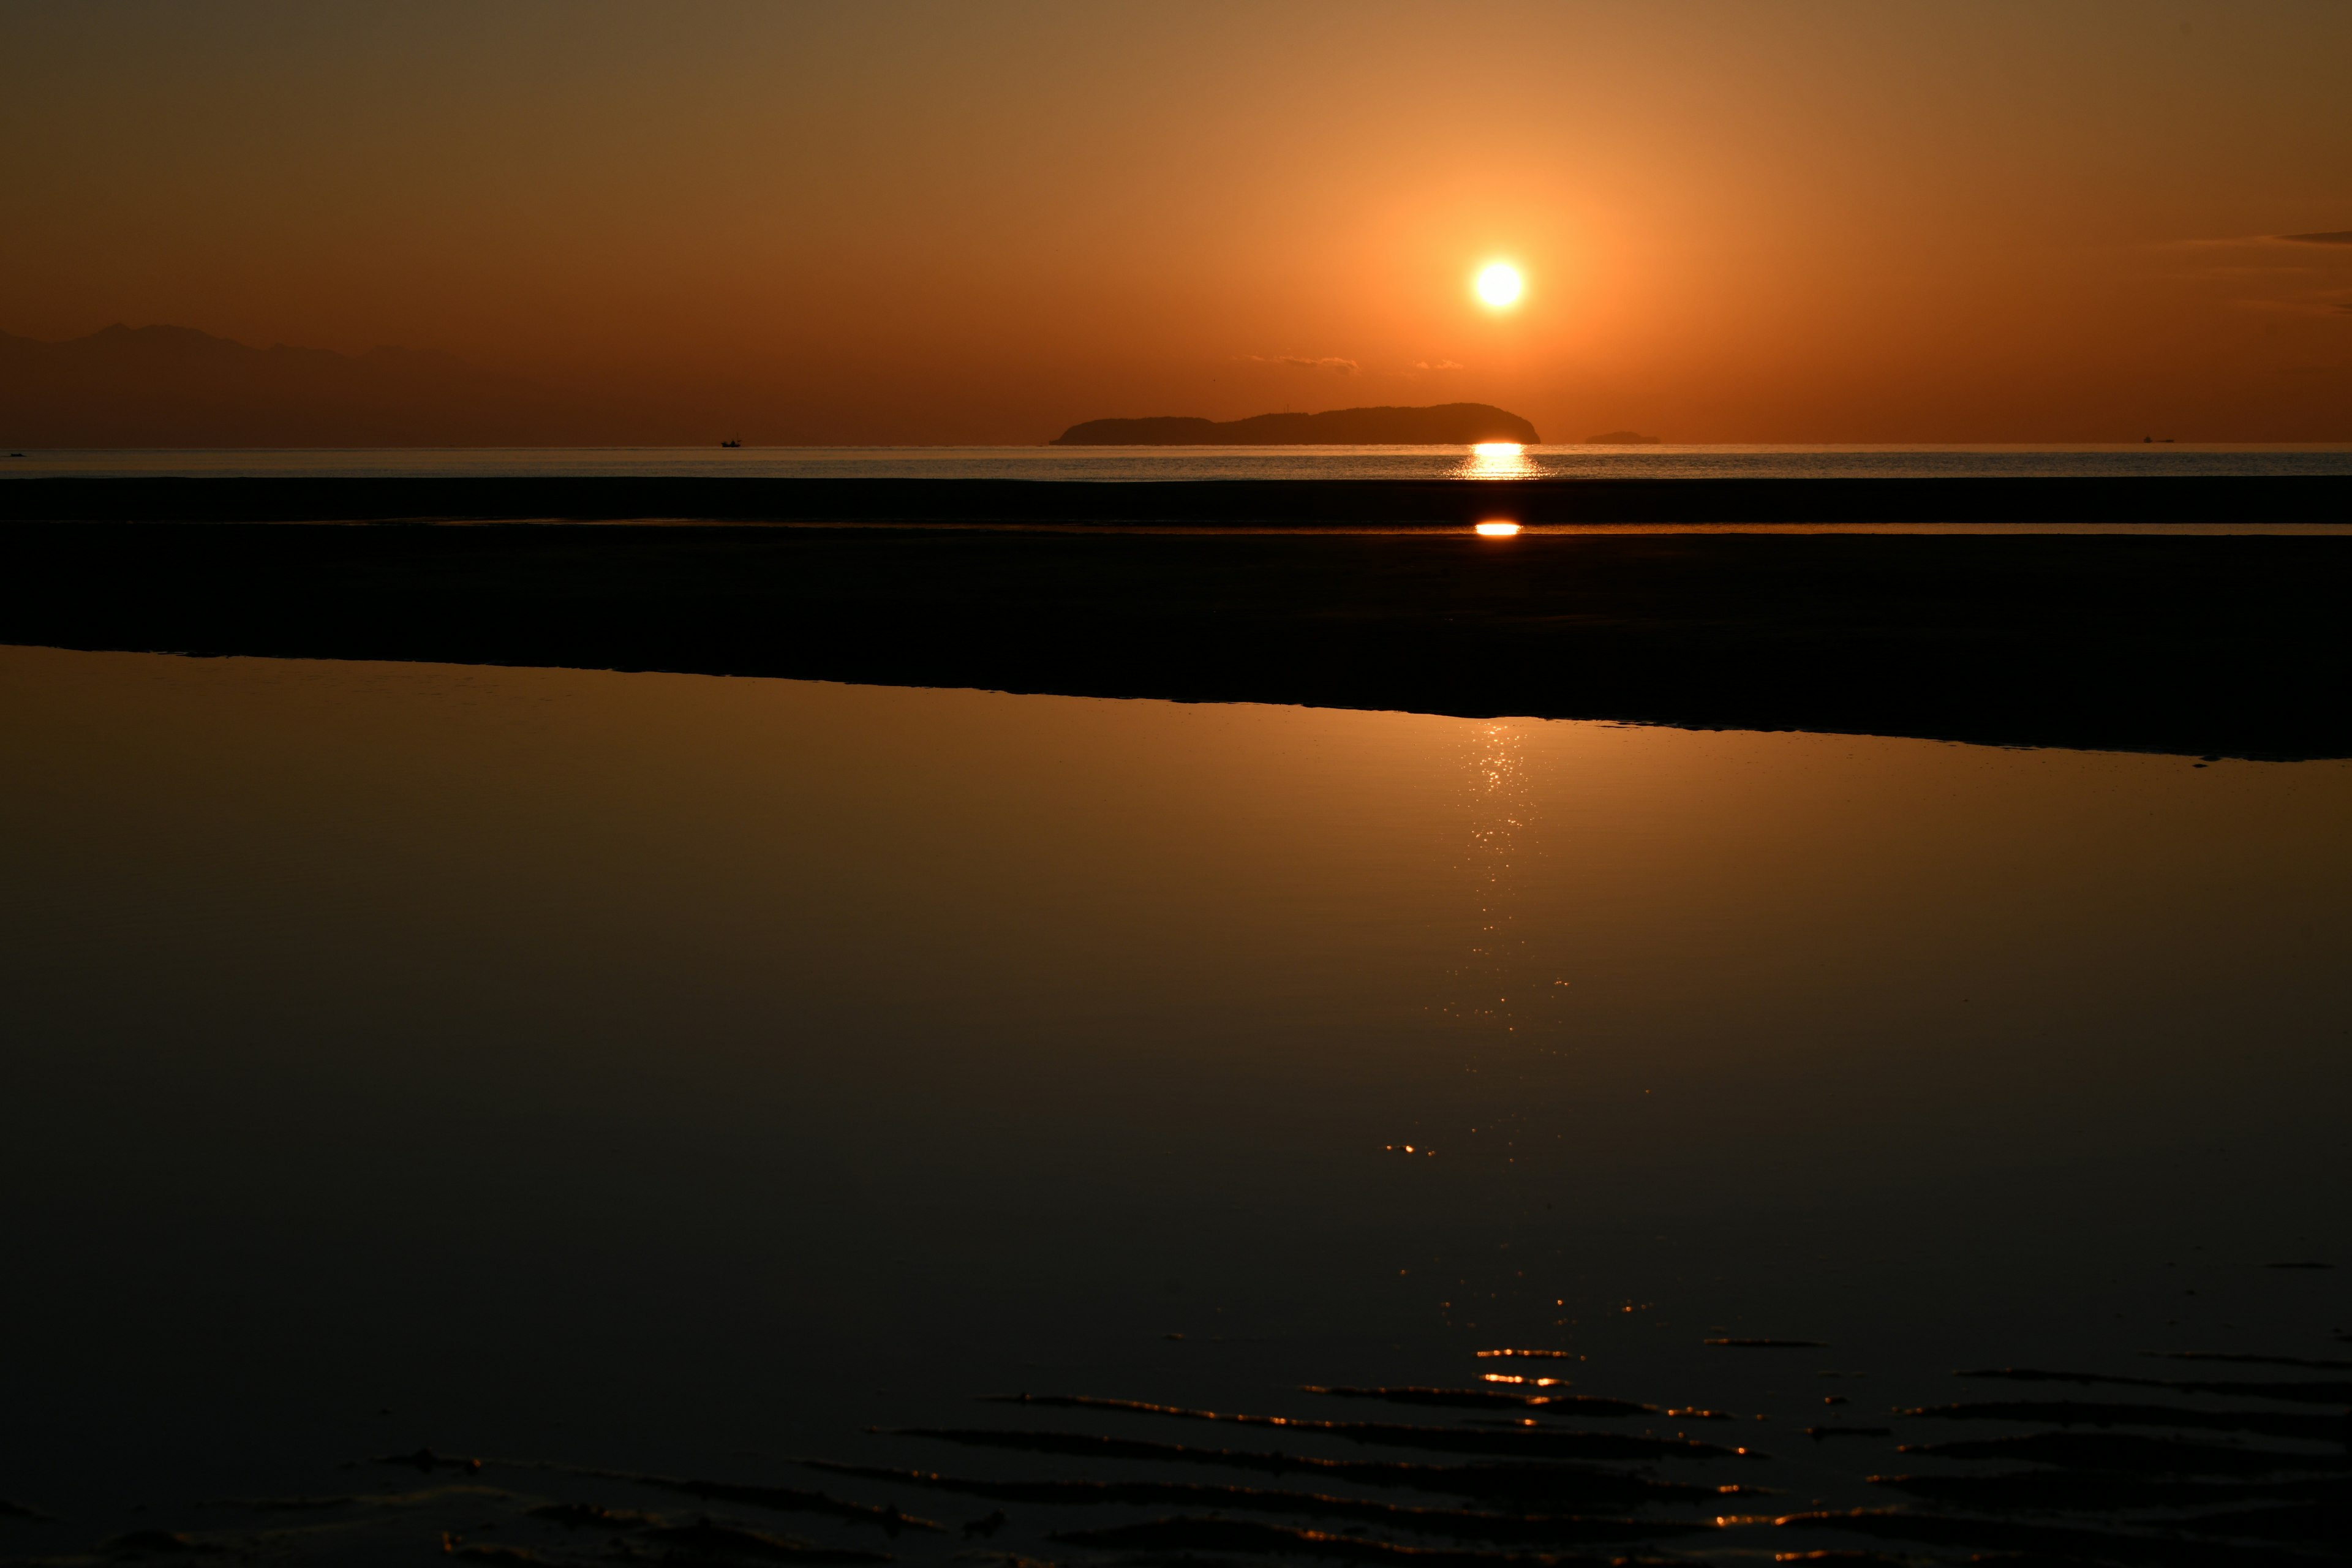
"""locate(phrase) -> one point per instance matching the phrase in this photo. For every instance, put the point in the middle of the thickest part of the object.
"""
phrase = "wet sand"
(2191, 644)
(1116, 1479)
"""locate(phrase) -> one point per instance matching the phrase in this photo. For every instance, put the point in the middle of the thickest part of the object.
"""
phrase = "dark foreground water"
(1501, 461)
(641, 1083)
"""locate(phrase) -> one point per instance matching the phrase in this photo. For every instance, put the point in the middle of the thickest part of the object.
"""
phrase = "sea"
(1500, 461)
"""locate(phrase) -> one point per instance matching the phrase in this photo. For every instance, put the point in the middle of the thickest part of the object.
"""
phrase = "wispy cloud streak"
(1330, 362)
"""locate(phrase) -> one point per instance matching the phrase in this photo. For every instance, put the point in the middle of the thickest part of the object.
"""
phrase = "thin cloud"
(1330, 362)
(2241, 241)
(2230, 242)
(2275, 269)
(1441, 364)
(2295, 305)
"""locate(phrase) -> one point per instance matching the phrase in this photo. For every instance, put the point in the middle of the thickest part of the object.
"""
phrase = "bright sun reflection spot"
(1499, 530)
(1499, 460)
(1499, 285)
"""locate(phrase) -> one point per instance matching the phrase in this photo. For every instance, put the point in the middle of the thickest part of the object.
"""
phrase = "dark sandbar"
(2207, 645)
(1291, 503)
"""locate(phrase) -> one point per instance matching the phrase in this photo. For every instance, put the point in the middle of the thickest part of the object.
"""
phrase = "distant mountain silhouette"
(1446, 424)
(175, 387)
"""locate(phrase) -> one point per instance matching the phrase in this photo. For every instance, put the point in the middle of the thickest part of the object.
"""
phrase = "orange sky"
(915, 223)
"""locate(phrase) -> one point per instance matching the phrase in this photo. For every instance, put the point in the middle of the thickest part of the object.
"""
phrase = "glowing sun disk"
(1499, 285)
(1499, 530)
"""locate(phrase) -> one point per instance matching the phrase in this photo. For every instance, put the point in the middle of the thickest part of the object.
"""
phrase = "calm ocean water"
(1131, 463)
(647, 1084)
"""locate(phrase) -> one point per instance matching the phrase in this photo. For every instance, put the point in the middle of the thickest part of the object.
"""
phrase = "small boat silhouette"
(730, 443)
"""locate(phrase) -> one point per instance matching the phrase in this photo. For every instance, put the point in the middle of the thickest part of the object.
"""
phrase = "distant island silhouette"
(1444, 424)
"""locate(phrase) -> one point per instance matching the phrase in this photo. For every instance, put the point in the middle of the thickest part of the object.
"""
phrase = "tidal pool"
(641, 1083)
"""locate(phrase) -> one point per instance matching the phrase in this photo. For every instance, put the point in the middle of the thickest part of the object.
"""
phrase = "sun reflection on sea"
(1497, 792)
(1502, 1004)
(1498, 460)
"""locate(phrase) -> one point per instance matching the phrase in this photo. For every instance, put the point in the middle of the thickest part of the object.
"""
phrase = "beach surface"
(2190, 643)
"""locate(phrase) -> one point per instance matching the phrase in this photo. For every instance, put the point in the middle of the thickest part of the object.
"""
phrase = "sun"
(1499, 285)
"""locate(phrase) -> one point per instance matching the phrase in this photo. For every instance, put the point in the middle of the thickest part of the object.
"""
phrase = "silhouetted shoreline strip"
(2207, 645)
(1390, 503)
(1442, 425)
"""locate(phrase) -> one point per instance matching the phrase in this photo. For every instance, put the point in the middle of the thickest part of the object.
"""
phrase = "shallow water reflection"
(674, 1076)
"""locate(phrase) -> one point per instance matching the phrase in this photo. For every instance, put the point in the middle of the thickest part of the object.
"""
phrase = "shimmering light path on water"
(1113, 463)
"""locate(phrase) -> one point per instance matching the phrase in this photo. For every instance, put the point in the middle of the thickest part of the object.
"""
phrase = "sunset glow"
(803, 226)
(1499, 530)
(1499, 285)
